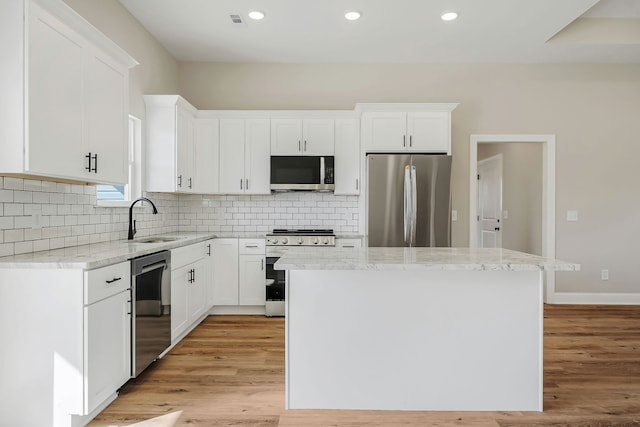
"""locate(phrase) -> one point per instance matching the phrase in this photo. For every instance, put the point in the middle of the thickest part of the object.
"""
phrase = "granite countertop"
(416, 259)
(88, 257)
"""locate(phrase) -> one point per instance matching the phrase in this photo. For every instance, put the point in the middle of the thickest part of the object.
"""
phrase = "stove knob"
(285, 241)
(274, 241)
(300, 240)
(326, 241)
(315, 241)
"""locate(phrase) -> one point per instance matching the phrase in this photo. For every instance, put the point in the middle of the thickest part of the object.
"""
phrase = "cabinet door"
(56, 74)
(106, 119)
(179, 310)
(107, 348)
(286, 137)
(384, 131)
(252, 286)
(257, 153)
(185, 155)
(232, 156)
(318, 137)
(196, 290)
(347, 157)
(206, 154)
(428, 132)
(209, 285)
(225, 271)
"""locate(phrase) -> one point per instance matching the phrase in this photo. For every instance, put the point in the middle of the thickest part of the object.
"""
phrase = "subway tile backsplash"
(41, 215)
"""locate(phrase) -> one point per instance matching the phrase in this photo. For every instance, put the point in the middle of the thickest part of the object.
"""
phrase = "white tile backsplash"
(42, 215)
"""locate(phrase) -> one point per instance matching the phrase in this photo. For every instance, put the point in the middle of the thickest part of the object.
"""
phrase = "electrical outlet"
(505, 214)
(572, 215)
(454, 215)
(604, 274)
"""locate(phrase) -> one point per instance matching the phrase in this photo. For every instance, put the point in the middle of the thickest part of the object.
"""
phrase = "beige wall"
(594, 111)
(521, 193)
(157, 72)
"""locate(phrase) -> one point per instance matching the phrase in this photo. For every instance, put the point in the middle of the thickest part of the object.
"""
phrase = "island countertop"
(375, 258)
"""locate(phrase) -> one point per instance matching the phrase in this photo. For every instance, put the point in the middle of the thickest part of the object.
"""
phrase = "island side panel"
(414, 340)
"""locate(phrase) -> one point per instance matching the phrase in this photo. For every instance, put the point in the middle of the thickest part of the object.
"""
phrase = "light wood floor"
(230, 372)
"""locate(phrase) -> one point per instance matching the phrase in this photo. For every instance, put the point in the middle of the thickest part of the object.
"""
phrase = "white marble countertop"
(88, 257)
(416, 258)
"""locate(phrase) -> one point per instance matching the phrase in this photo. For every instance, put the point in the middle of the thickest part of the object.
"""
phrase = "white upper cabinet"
(244, 156)
(302, 137)
(182, 150)
(206, 148)
(413, 131)
(347, 157)
(65, 104)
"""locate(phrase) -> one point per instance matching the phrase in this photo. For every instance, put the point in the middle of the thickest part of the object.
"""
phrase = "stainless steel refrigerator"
(409, 200)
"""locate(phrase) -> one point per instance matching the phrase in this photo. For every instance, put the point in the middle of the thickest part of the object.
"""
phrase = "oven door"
(274, 305)
(302, 173)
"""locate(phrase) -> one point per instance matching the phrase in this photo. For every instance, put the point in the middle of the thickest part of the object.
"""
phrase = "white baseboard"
(593, 298)
(238, 309)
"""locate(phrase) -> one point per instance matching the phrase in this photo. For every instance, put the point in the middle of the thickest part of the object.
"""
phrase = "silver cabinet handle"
(241, 183)
(305, 145)
(246, 184)
(189, 182)
(299, 146)
(262, 264)
(250, 246)
(179, 180)
(357, 184)
(209, 249)
(410, 140)
(115, 279)
(404, 140)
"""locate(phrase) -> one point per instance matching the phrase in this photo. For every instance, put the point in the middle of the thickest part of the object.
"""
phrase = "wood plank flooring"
(230, 372)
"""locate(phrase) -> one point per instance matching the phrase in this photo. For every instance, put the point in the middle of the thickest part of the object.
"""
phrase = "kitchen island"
(415, 328)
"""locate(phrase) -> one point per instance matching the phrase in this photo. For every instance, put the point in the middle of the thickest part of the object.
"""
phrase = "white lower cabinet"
(108, 347)
(191, 280)
(348, 242)
(67, 348)
(239, 272)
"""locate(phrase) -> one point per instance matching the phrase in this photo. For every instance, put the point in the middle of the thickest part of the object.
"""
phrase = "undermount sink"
(157, 239)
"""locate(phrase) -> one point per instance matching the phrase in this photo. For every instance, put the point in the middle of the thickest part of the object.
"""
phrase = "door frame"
(498, 157)
(548, 194)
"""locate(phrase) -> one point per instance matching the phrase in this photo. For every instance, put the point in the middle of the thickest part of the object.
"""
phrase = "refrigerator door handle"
(414, 205)
(407, 202)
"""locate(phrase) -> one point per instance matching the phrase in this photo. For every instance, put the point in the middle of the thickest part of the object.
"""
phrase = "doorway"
(490, 202)
(548, 194)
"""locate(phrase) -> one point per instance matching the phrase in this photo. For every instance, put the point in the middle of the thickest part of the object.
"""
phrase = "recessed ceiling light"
(256, 15)
(449, 16)
(352, 15)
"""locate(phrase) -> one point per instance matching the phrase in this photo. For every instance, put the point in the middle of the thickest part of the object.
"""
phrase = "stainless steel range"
(279, 242)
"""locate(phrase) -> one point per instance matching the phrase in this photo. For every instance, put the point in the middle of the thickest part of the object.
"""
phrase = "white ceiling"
(392, 31)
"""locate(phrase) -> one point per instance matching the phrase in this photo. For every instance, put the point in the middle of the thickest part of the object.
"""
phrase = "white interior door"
(490, 202)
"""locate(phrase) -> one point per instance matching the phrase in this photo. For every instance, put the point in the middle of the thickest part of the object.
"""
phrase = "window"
(122, 195)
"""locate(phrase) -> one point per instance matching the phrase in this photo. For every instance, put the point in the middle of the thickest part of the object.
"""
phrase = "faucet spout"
(132, 227)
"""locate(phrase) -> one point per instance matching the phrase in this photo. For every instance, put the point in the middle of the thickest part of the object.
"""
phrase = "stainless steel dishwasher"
(151, 309)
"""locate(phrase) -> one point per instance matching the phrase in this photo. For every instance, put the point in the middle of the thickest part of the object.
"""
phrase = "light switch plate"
(454, 215)
(572, 215)
(505, 214)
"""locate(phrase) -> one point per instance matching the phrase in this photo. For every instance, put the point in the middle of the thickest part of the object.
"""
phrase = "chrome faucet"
(132, 223)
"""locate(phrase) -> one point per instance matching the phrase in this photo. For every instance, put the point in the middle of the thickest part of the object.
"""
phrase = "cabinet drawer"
(187, 254)
(349, 243)
(251, 246)
(106, 281)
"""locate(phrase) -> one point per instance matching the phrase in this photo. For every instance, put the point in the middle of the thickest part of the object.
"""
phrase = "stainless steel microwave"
(310, 173)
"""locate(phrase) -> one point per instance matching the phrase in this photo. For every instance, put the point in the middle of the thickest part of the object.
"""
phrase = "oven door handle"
(155, 266)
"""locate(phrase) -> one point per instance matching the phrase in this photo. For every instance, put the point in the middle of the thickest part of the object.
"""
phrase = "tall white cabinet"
(181, 148)
(65, 95)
